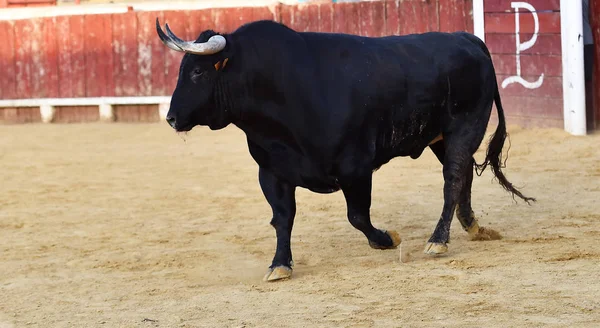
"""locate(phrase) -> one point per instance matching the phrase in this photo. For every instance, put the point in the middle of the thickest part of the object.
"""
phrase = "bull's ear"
(221, 64)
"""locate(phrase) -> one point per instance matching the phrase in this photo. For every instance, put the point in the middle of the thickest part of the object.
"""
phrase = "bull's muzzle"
(171, 121)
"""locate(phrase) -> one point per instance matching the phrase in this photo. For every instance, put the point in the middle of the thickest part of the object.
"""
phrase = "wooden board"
(172, 58)
(125, 54)
(533, 106)
(494, 6)
(302, 18)
(546, 44)
(76, 114)
(150, 55)
(454, 15)
(23, 61)
(136, 113)
(98, 56)
(346, 18)
(549, 22)
(7, 58)
(411, 16)
(551, 86)
(20, 115)
(372, 16)
(71, 56)
(506, 64)
(48, 60)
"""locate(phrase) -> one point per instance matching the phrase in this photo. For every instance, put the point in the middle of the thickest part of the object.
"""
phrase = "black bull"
(324, 111)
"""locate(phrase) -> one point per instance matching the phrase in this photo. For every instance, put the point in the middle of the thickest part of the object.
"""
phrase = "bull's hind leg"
(456, 161)
(281, 197)
(464, 212)
(358, 201)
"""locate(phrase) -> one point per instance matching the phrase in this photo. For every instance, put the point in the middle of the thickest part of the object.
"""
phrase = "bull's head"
(194, 101)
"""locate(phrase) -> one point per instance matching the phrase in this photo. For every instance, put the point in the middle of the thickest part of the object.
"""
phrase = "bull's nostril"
(171, 121)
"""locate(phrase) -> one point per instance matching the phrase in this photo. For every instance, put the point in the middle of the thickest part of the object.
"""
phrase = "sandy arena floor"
(126, 225)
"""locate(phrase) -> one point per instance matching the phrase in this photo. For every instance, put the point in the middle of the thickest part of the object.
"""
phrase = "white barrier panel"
(105, 105)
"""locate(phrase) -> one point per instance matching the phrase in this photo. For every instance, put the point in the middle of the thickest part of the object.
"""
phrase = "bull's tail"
(493, 156)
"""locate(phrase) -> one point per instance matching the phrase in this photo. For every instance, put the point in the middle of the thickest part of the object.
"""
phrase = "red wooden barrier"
(120, 54)
(527, 105)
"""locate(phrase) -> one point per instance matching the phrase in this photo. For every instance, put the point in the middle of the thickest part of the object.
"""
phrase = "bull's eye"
(198, 71)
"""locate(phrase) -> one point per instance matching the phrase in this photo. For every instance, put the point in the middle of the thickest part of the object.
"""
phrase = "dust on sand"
(115, 225)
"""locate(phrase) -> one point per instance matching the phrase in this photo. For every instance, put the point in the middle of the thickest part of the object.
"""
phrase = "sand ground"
(128, 225)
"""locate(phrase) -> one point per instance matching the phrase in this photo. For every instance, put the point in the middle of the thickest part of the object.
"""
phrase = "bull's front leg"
(357, 191)
(281, 196)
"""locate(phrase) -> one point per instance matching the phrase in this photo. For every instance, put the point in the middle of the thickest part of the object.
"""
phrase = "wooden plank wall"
(538, 106)
(120, 54)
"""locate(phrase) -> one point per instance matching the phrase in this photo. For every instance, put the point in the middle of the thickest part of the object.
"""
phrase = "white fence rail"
(47, 106)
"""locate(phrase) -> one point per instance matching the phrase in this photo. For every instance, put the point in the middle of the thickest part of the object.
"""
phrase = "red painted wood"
(469, 17)
(551, 87)
(98, 55)
(20, 115)
(346, 17)
(372, 18)
(302, 18)
(530, 64)
(37, 70)
(416, 16)
(548, 44)
(126, 113)
(285, 15)
(149, 113)
(549, 22)
(150, 55)
(172, 58)
(262, 13)
(392, 19)
(326, 17)
(533, 106)
(76, 114)
(7, 57)
(48, 70)
(125, 54)
(71, 56)
(136, 113)
(199, 21)
(504, 5)
(454, 15)
(23, 75)
(228, 20)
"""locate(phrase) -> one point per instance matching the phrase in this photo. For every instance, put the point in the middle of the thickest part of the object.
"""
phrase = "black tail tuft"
(493, 156)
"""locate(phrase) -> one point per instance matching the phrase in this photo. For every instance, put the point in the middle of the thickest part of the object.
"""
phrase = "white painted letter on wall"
(524, 46)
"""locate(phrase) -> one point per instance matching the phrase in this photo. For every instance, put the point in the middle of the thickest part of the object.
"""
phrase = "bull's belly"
(312, 179)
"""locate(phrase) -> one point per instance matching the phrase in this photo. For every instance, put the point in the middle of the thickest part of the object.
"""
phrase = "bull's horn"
(165, 39)
(215, 44)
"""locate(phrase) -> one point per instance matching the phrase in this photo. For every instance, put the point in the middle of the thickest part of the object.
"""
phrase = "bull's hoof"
(394, 236)
(480, 233)
(278, 273)
(435, 248)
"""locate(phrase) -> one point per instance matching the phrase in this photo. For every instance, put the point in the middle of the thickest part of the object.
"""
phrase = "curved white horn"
(167, 41)
(215, 44)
